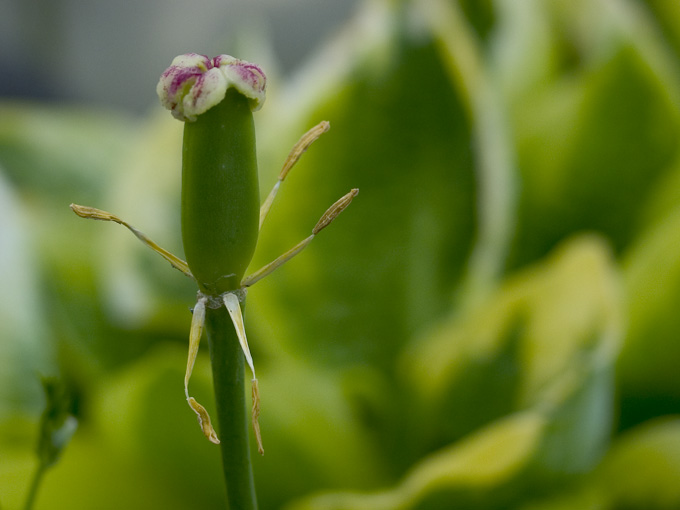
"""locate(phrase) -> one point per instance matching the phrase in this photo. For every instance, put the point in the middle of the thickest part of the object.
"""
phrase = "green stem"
(35, 484)
(228, 369)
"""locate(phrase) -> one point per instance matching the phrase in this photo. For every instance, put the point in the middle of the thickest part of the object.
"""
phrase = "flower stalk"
(228, 369)
(221, 218)
(57, 426)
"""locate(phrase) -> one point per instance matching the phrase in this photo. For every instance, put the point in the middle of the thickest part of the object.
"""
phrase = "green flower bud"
(220, 192)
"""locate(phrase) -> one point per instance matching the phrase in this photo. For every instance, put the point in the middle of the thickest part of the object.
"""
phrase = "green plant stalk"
(35, 484)
(220, 208)
(228, 368)
(221, 216)
(57, 426)
(220, 223)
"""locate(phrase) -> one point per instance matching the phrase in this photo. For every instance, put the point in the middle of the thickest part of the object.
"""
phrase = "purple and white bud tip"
(195, 83)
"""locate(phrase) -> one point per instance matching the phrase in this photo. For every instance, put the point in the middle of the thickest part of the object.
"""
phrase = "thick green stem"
(220, 194)
(228, 369)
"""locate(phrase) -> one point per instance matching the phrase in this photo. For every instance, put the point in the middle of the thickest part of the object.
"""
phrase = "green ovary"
(220, 194)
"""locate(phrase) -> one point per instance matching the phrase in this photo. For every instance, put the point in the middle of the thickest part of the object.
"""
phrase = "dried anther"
(204, 420)
(197, 322)
(293, 157)
(233, 306)
(325, 220)
(97, 214)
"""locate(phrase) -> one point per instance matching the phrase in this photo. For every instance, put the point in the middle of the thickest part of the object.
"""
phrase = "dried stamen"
(197, 322)
(204, 420)
(234, 308)
(334, 211)
(325, 220)
(97, 214)
(255, 388)
(296, 152)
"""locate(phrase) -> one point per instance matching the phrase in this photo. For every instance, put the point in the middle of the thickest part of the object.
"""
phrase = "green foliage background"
(492, 324)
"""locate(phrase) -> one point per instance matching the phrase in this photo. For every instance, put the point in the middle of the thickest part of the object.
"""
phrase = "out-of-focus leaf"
(59, 151)
(17, 462)
(555, 329)
(522, 49)
(312, 437)
(24, 349)
(143, 415)
(55, 156)
(141, 289)
(651, 354)
(391, 262)
(93, 474)
(572, 498)
(474, 473)
(140, 446)
(549, 336)
(141, 418)
(667, 15)
(591, 157)
(663, 200)
(643, 467)
(495, 174)
(481, 15)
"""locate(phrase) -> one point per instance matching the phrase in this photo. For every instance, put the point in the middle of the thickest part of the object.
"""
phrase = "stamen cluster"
(195, 83)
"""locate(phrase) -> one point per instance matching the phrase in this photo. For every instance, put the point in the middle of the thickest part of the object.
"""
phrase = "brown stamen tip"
(256, 415)
(302, 145)
(90, 212)
(334, 211)
(204, 420)
(97, 214)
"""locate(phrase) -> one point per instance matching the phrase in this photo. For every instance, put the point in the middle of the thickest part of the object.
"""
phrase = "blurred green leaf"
(648, 364)
(572, 498)
(140, 446)
(468, 475)
(55, 156)
(667, 16)
(394, 258)
(139, 417)
(548, 332)
(495, 174)
(592, 145)
(643, 467)
(25, 349)
(307, 422)
(141, 289)
(379, 390)
(57, 151)
(555, 328)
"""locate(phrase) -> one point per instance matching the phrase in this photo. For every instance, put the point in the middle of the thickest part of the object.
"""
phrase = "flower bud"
(220, 192)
